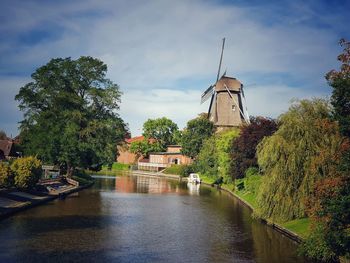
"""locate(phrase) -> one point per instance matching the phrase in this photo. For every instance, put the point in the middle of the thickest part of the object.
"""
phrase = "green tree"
(195, 133)
(214, 158)
(163, 130)
(286, 159)
(224, 143)
(206, 162)
(27, 171)
(70, 114)
(144, 147)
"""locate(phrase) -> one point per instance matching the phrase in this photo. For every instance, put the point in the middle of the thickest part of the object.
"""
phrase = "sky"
(163, 54)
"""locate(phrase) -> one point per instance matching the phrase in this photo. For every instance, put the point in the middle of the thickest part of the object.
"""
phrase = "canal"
(142, 219)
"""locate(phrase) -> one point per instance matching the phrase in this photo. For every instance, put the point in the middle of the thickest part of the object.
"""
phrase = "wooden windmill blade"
(217, 79)
(244, 107)
(207, 94)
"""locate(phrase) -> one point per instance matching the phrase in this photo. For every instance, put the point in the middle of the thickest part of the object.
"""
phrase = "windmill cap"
(232, 84)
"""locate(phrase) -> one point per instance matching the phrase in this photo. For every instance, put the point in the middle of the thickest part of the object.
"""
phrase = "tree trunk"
(70, 170)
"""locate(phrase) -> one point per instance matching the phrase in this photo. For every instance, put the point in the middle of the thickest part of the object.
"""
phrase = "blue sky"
(164, 54)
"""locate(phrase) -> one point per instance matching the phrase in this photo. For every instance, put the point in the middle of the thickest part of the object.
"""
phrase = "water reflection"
(143, 219)
(193, 189)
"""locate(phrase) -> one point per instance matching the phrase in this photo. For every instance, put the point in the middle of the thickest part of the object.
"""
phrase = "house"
(160, 160)
(125, 156)
(7, 149)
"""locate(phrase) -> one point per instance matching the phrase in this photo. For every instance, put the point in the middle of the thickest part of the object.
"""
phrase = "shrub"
(6, 175)
(252, 180)
(316, 246)
(27, 171)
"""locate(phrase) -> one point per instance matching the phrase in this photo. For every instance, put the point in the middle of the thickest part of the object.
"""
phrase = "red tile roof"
(138, 139)
(135, 139)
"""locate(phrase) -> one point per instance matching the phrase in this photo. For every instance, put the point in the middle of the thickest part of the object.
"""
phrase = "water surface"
(142, 219)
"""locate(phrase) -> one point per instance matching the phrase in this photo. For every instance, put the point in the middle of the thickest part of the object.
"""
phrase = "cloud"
(9, 112)
(180, 106)
(164, 54)
(271, 100)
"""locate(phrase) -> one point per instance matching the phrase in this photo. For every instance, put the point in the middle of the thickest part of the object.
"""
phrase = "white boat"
(194, 178)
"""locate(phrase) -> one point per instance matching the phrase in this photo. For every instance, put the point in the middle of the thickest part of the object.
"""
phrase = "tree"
(144, 147)
(329, 206)
(70, 114)
(163, 130)
(243, 150)
(224, 144)
(206, 162)
(27, 171)
(214, 159)
(195, 133)
(340, 82)
(287, 158)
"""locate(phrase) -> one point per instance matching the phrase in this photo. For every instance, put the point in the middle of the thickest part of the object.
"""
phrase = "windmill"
(227, 106)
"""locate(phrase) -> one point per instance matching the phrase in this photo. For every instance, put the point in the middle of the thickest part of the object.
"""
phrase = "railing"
(161, 165)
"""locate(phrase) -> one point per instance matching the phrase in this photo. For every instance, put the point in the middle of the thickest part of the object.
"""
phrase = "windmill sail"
(227, 103)
(207, 94)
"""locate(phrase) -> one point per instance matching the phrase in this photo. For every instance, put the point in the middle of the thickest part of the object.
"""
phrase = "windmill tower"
(227, 107)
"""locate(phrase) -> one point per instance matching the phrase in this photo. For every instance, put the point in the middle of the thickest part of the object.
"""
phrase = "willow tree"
(70, 114)
(288, 159)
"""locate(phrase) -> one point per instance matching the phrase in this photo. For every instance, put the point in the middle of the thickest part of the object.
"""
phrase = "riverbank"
(297, 229)
(14, 201)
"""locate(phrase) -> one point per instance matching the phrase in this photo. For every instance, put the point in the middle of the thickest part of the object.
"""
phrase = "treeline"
(296, 166)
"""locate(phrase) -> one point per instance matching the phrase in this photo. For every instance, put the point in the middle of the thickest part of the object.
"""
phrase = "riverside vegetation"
(294, 171)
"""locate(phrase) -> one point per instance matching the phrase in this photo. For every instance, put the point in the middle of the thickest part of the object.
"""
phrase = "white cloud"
(179, 106)
(150, 46)
(272, 100)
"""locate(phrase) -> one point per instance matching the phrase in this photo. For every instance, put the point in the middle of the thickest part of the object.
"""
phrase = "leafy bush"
(27, 171)
(6, 175)
(252, 180)
(316, 246)
(120, 166)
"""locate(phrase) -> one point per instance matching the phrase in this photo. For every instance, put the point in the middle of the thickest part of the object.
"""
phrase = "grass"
(298, 226)
(114, 171)
(210, 180)
(174, 169)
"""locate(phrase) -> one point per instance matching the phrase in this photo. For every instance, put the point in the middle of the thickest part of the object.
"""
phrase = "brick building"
(160, 160)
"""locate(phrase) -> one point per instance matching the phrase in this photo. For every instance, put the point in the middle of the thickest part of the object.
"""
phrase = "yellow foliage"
(27, 171)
